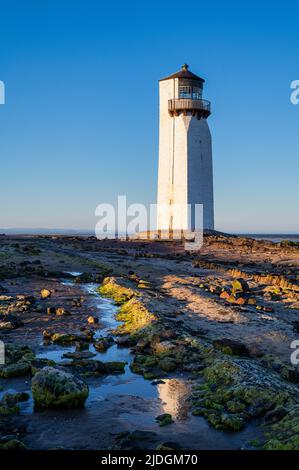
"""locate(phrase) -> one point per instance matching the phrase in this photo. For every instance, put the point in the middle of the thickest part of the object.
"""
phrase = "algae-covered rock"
(92, 367)
(13, 444)
(79, 355)
(146, 361)
(15, 370)
(55, 388)
(159, 347)
(145, 365)
(273, 416)
(150, 375)
(231, 422)
(6, 410)
(164, 419)
(167, 365)
(9, 403)
(40, 363)
(11, 399)
(17, 361)
(134, 316)
(115, 366)
(143, 284)
(231, 347)
(120, 294)
(221, 373)
(284, 434)
(235, 406)
(102, 344)
(84, 277)
(61, 338)
(236, 392)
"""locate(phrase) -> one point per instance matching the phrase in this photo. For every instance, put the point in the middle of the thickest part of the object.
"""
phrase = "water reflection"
(173, 394)
(167, 397)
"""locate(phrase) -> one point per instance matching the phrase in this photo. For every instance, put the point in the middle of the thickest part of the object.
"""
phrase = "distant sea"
(276, 238)
(45, 231)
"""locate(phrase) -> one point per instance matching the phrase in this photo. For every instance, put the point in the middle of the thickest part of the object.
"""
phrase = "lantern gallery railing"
(199, 108)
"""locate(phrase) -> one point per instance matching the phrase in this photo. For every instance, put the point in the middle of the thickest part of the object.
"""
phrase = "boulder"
(84, 277)
(231, 347)
(61, 311)
(92, 367)
(15, 370)
(39, 363)
(164, 419)
(91, 319)
(167, 365)
(102, 344)
(232, 422)
(82, 345)
(51, 310)
(55, 388)
(45, 293)
(79, 355)
(225, 295)
(143, 284)
(47, 334)
(29, 299)
(9, 403)
(5, 298)
(10, 322)
(13, 444)
(114, 367)
(124, 341)
(232, 298)
(65, 338)
(239, 286)
(169, 445)
(160, 347)
(11, 399)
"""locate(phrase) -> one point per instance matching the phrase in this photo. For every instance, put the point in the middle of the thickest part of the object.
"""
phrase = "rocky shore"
(195, 354)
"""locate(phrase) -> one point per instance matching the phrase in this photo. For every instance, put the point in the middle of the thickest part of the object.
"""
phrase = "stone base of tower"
(175, 235)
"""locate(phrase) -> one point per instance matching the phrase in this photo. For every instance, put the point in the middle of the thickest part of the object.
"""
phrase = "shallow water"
(126, 383)
(126, 399)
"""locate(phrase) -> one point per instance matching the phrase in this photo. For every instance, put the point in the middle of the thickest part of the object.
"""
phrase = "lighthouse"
(185, 173)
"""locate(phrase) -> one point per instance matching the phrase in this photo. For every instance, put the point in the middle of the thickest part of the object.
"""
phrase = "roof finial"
(185, 67)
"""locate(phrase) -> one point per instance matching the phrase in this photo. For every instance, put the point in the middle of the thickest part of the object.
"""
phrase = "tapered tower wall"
(185, 173)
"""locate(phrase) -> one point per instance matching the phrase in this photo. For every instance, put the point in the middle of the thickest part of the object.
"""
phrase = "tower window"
(189, 92)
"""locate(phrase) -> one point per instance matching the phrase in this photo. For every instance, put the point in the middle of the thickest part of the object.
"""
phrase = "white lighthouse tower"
(185, 153)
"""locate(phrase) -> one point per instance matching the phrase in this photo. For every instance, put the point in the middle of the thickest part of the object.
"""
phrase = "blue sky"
(80, 123)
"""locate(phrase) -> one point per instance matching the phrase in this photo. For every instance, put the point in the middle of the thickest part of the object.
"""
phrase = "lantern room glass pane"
(190, 92)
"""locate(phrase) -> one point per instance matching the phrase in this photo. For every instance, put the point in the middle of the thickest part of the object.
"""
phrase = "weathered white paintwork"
(185, 174)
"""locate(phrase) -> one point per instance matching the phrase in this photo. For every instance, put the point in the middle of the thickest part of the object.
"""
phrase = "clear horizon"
(35, 230)
(80, 121)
